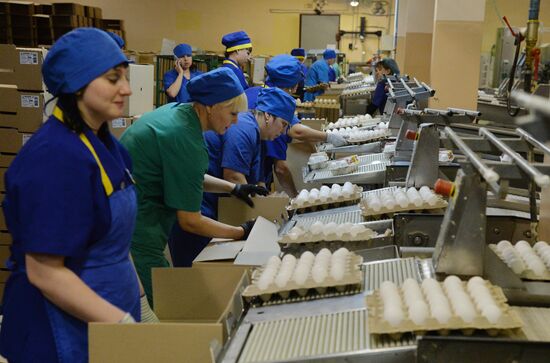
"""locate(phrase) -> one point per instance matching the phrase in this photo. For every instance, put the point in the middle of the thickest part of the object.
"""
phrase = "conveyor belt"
(367, 148)
(397, 271)
(535, 323)
(304, 338)
(372, 170)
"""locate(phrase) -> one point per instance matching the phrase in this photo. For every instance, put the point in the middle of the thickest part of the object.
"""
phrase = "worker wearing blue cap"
(285, 72)
(300, 54)
(175, 80)
(236, 157)
(170, 162)
(385, 67)
(70, 207)
(238, 48)
(319, 74)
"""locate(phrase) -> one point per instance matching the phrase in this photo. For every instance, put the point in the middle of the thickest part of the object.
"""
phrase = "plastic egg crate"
(287, 277)
(318, 161)
(326, 197)
(395, 199)
(331, 231)
(531, 263)
(435, 306)
(344, 166)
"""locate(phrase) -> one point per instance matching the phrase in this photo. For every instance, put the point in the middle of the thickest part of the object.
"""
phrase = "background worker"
(320, 74)
(70, 207)
(385, 67)
(238, 48)
(175, 80)
(300, 54)
(285, 72)
(236, 157)
(170, 162)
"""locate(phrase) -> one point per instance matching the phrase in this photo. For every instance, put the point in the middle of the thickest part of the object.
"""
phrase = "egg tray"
(352, 281)
(370, 139)
(320, 164)
(368, 212)
(527, 274)
(309, 237)
(365, 125)
(354, 198)
(348, 169)
(378, 325)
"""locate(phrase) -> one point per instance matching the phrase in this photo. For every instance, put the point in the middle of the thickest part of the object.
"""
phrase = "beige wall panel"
(401, 51)
(455, 64)
(418, 56)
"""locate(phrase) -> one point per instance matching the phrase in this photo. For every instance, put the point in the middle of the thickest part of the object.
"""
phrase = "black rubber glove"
(245, 191)
(247, 226)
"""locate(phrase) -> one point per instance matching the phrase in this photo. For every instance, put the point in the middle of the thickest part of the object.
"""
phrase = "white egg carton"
(345, 232)
(507, 319)
(333, 198)
(532, 264)
(318, 160)
(344, 166)
(369, 208)
(351, 279)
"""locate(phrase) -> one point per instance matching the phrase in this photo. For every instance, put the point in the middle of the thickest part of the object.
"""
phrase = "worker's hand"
(245, 191)
(336, 140)
(127, 319)
(247, 227)
(177, 66)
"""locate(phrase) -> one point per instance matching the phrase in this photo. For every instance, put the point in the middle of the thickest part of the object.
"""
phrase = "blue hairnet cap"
(79, 57)
(236, 41)
(215, 86)
(276, 102)
(284, 71)
(298, 52)
(329, 54)
(183, 49)
(117, 39)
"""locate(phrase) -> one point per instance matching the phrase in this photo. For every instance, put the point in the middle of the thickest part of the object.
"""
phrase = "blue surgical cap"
(215, 86)
(117, 39)
(236, 41)
(329, 54)
(284, 71)
(79, 57)
(298, 52)
(276, 102)
(183, 49)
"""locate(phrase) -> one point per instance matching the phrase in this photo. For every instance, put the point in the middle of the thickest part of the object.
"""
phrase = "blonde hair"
(237, 104)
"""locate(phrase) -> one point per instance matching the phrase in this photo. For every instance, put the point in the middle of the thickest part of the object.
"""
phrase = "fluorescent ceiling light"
(354, 3)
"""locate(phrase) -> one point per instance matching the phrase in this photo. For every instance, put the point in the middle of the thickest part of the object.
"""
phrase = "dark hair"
(72, 118)
(389, 64)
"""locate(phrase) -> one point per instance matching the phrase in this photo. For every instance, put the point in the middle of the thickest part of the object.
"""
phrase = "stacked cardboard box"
(17, 23)
(68, 16)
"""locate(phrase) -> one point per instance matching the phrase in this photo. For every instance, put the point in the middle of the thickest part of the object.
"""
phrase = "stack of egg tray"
(367, 140)
(384, 212)
(352, 283)
(330, 203)
(527, 274)
(508, 323)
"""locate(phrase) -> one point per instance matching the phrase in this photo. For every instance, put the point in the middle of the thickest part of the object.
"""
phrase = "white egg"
(329, 228)
(441, 313)
(414, 197)
(418, 312)
(341, 230)
(274, 261)
(347, 189)
(319, 273)
(337, 271)
(540, 245)
(522, 246)
(537, 266)
(492, 313)
(374, 203)
(504, 243)
(303, 194)
(393, 315)
(476, 280)
(317, 227)
(356, 230)
(401, 198)
(342, 252)
(452, 282)
(313, 195)
(300, 274)
(307, 256)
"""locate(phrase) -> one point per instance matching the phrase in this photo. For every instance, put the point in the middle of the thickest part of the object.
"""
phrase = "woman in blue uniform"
(236, 157)
(386, 67)
(238, 48)
(175, 80)
(300, 55)
(70, 206)
(320, 72)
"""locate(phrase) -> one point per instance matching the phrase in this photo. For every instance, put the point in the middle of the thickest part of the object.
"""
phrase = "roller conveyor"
(371, 170)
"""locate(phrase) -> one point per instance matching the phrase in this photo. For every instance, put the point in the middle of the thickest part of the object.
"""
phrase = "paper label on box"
(30, 101)
(118, 123)
(26, 137)
(28, 58)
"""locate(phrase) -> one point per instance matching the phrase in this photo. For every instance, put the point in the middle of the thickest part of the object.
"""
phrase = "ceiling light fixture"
(354, 3)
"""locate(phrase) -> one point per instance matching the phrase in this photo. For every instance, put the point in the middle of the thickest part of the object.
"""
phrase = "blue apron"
(106, 269)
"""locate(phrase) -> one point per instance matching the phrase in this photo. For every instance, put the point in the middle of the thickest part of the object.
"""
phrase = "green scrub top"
(169, 158)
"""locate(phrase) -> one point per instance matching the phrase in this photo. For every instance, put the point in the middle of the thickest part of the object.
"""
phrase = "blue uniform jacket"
(183, 95)
(228, 63)
(318, 73)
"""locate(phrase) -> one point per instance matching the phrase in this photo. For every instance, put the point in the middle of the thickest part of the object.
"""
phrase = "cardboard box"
(234, 211)
(67, 9)
(141, 79)
(11, 141)
(5, 238)
(6, 160)
(20, 7)
(2, 183)
(21, 67)
(60, 21)
(98, 13)
(20, 109)
(4, 274)
(3, 226)
(196, 306)
(5, 254)
(119, 125)
(2, 288)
